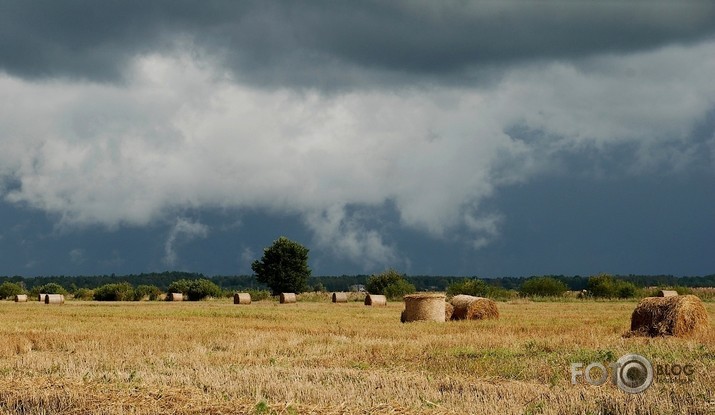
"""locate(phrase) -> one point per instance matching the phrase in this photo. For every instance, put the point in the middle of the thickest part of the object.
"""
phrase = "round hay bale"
(448, 311)
(375, 299)
(242, 298)
(288, 298)
(667, 293)
(467, 307)
(54, 299)
(175, 297)
(424, 307)
(669, 316)
(21, 298)
(41, 297)
(340, 297)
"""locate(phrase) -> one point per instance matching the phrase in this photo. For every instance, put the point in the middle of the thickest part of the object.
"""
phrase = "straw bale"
(467, 307)
(175, 297)
(339, 297)
(667, 293)
(424, 307)
(54, 299)
(242, 298)
(21, 298)
(288, 298)
(375, 299)
(669, 316)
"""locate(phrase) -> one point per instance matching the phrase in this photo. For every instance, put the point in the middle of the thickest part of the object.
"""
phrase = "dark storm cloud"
(333, 43)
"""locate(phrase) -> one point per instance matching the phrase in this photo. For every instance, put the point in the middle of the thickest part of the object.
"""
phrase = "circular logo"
(634, 373)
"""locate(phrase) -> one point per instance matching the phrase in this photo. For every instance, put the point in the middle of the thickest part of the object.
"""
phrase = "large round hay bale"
(288, 298)
(375, 299)
(467, 307)
(340, 297)
(448, 311)
(242, 298)
(175, 297)
(669, 316)
(667, 293)
(54, 299)
(424, 307)
(21, 298)
(41, 297)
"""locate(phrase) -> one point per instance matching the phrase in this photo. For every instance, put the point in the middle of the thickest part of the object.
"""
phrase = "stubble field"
(318, 357)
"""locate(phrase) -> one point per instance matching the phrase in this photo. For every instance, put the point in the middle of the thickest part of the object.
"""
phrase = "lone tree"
(283, 267)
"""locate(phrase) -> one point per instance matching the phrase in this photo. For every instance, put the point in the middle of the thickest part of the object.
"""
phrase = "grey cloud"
(329, 44)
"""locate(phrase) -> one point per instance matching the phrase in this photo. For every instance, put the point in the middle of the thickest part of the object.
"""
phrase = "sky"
(489, 138)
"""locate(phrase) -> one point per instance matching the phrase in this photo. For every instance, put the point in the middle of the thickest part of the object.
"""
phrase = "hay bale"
(667, 293)
(41, 297)
(288, 298)
(175, 297)
(424, 307)
(340, 297)
(448, 311)
(467, 307)
(21, 298)
(375, 299)
(242, 298)
(669, 316)
(54, 299)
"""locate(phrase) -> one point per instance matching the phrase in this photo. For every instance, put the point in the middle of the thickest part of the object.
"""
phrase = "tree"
(283, 267)
(51, 288)
(10, 289)
(606, 286)
(389, 283)
(122, 291)
(543, 287)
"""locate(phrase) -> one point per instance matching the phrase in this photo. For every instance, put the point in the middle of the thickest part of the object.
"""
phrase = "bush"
(474, 287)
(51, 288)
(605, 286)
(115, 292)
(10, 289)
(390, 284)
(196, 289)
(151, 291)
(543, 287)
(83, 294)
(258, 295)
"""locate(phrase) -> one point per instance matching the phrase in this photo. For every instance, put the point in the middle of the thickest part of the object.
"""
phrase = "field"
(318, 357)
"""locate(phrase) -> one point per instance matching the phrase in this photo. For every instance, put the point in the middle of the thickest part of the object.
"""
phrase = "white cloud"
(183, 231)
(181, 135)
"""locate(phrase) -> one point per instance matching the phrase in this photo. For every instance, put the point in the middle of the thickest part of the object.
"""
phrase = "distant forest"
(339, 283)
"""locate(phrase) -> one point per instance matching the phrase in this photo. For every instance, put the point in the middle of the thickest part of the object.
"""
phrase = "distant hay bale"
(448, 311)
(467, 307)
(21, 298)
(242, 298)
(54, 299)
(340, 297)
(41, 297)
(667, 293)
(175, 297)
(288, 298)
(424, 307)
(669, 316)
(375, 299)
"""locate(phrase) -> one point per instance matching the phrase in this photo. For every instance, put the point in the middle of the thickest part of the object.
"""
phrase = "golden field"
(318, 357)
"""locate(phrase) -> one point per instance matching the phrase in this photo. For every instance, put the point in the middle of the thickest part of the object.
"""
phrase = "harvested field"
(184, 358)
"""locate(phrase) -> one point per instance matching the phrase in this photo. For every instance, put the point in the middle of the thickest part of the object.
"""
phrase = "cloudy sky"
(491, 138)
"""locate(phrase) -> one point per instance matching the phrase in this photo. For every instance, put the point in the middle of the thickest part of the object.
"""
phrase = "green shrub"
(469, 286)
(10, 289)
(390, 284)
(51, 288)
(196, 289)
(606, 286)
(543, 287)
(151, 291)
(114, 292)
(83, 294)
(258, 295)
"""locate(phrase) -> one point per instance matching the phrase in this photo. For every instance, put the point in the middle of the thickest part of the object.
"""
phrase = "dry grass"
(213, 357)
(467, 307)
